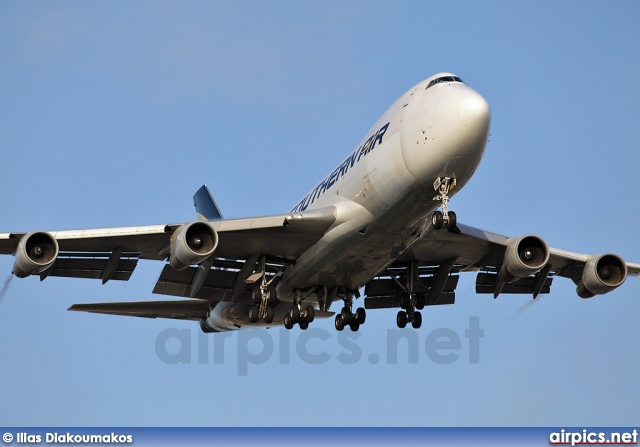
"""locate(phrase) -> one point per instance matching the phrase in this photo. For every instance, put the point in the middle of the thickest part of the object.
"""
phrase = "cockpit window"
(444, 79)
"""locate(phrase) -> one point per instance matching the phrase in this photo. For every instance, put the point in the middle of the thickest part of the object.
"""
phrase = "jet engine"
(191, 244)
(36, 252)
(523, 257)
(601, 274)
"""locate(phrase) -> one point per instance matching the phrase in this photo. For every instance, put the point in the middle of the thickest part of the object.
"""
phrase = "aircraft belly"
(234, 316)
(353, 266)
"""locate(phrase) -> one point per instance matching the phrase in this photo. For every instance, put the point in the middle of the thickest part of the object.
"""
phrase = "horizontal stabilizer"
(175, 309)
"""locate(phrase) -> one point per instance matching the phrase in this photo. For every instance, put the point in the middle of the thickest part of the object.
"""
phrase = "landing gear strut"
(347, 317)
(410, 299)
(443, 185)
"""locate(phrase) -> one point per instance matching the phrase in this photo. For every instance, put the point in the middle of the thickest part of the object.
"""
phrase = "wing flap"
(388, 287)
(8, 243)
(92, 266)
(194, 309)
(486, 281)
(391, 302)
(217, 286)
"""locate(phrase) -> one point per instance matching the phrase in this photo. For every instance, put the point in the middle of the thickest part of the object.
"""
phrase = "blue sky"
(113, 114)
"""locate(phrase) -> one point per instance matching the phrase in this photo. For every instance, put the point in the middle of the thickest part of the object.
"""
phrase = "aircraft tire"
(295, 313)
(361, 315)
(311, 313)
(451, 225)
(420, 301)
(405, 300)
(253, 313)
(437, 219)
(416, 321)
(401, 319)
(268, 318)
(288, 324)
(346, 315)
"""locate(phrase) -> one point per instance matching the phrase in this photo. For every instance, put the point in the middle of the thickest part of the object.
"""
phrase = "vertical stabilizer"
(206, 208)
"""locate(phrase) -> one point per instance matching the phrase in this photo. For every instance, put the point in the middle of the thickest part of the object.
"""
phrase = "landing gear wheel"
(256, 296)
(303, 325)
(420, 301)
(416, 321)
(311, 314)
(339, 323)
(451, 225)
(288, 324)
(253, 313)
(354, 325)
(405, 300)
(346, 315)
(273, 295)
(437, 219)
(268, 318)
(401, 319)
(295, 313)
(361, 315)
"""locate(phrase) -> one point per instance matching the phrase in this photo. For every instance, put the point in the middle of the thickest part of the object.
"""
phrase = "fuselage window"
(444, 79)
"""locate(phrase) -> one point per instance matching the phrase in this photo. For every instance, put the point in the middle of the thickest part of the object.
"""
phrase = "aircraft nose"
(473, 111)
(461, 123)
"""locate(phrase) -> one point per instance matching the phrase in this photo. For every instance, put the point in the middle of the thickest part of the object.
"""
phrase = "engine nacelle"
(601, 274)
(36, 252)
(205, 326)
(524, 256)
(191, 244)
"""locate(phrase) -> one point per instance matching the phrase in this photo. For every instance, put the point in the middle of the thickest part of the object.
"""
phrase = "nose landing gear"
(443, 185)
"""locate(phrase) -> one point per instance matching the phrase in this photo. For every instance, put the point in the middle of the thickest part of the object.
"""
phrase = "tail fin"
(206, 208)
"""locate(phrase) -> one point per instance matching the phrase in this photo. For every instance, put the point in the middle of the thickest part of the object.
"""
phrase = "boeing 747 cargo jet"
(379, 223)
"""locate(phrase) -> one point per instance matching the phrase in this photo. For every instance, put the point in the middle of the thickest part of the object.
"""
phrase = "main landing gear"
(263, 297)
(410, 303)
(347, 317)
(443, 185)
(263, 294)
(300, 316)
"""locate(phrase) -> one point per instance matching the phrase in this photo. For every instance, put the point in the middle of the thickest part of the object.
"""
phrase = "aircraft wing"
(439, 255)
(88, 253)
(476, 249)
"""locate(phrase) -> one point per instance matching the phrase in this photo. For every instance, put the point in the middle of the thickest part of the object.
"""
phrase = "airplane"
(379, 222)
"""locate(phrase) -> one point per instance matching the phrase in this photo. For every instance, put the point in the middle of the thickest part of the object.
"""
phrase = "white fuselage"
(383, 190)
